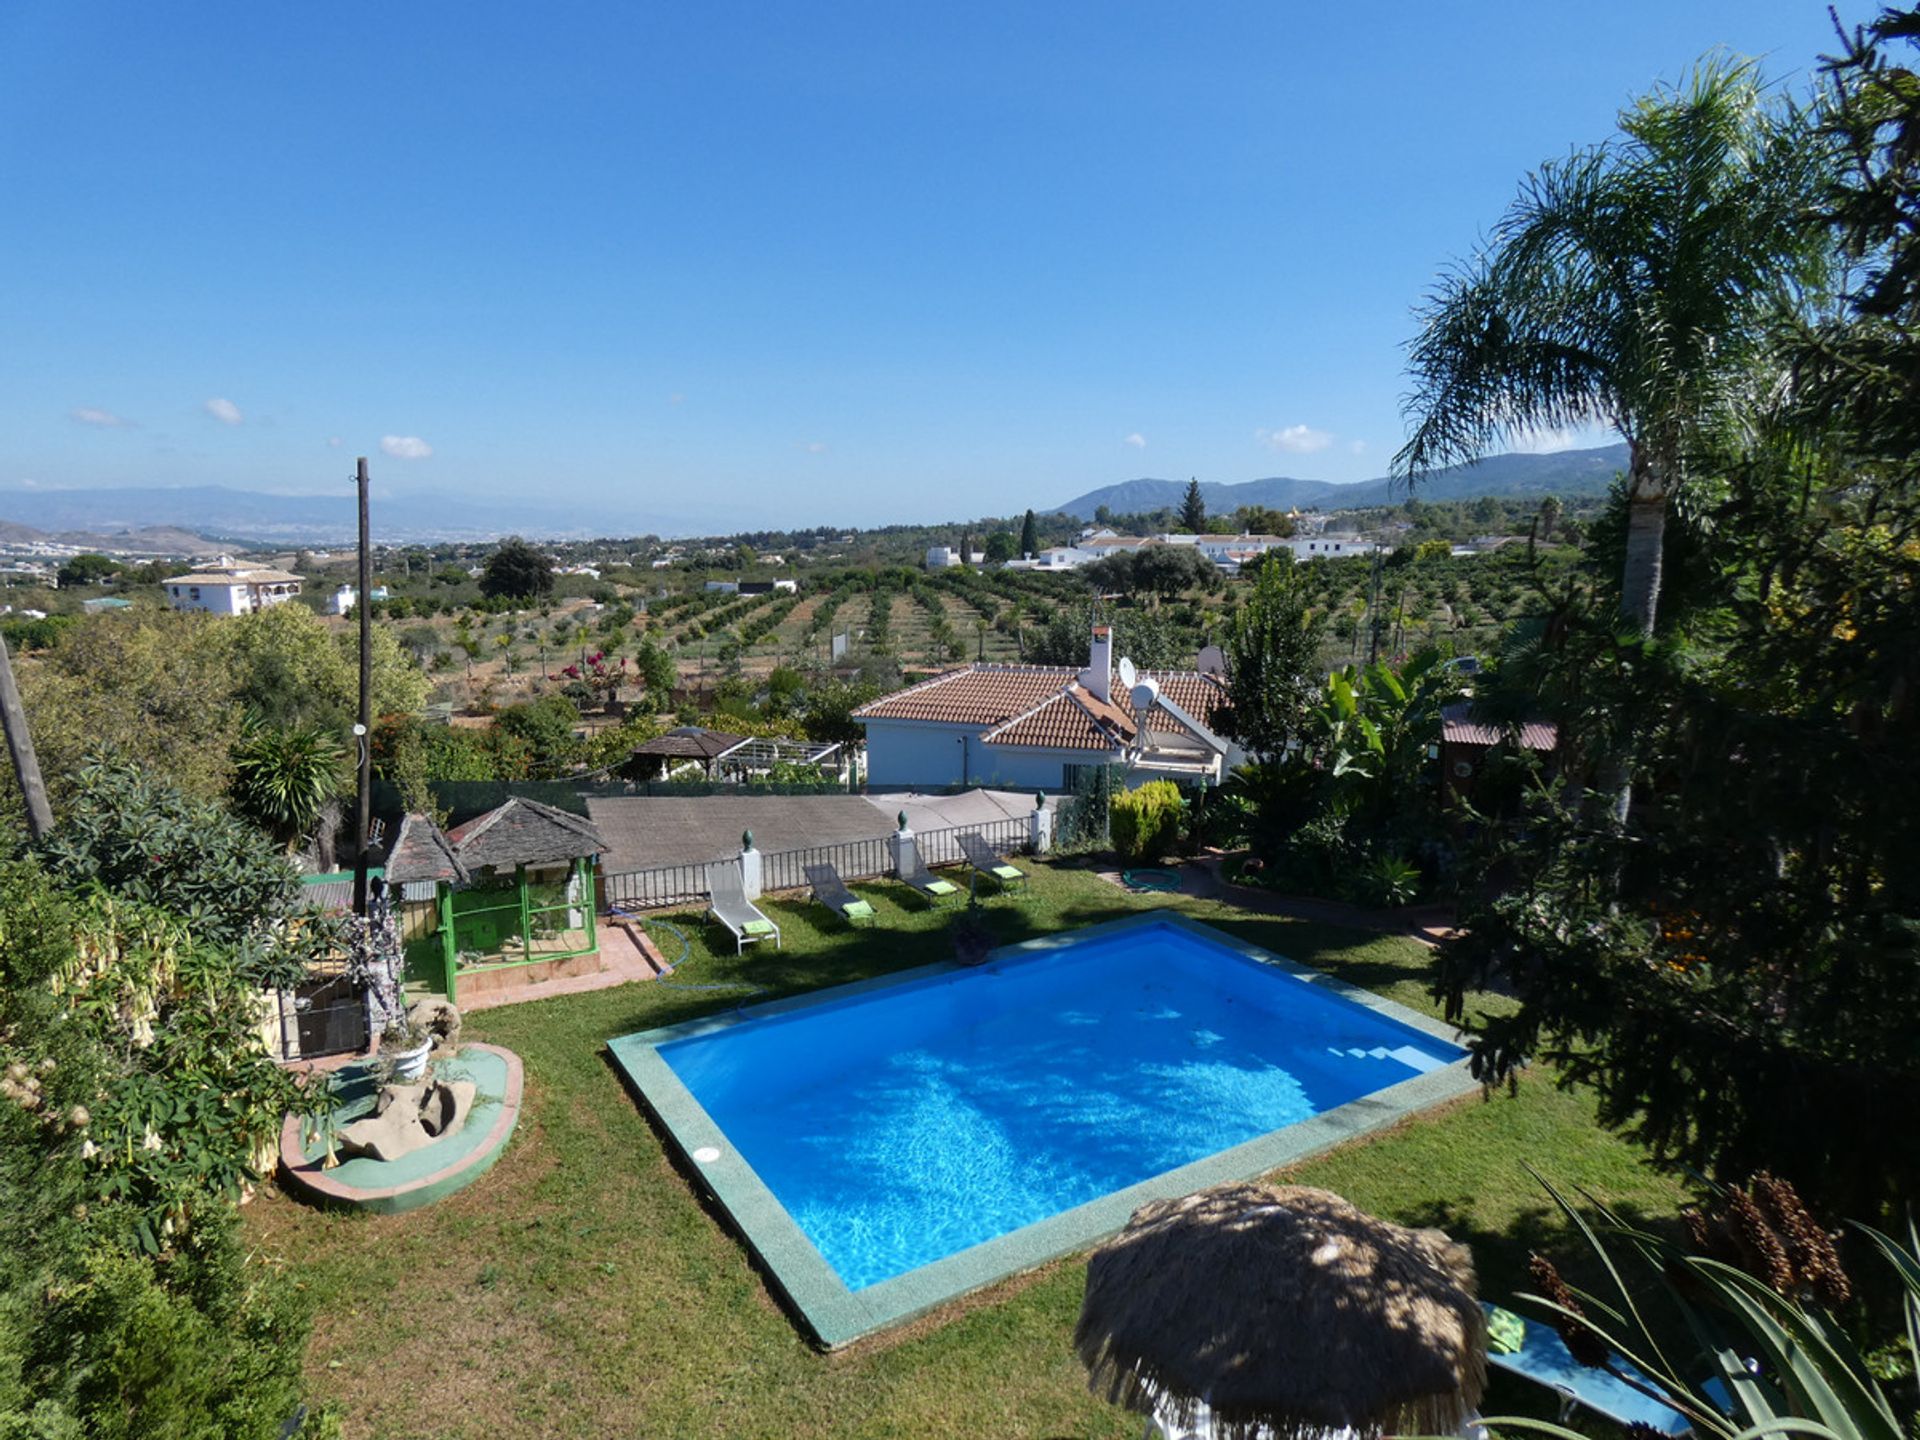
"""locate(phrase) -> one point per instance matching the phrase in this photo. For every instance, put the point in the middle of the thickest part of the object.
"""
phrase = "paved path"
(644, 832)
(943, 812)
(1202, 878)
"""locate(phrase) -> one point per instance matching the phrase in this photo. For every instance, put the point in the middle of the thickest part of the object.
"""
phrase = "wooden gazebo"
(513, 887)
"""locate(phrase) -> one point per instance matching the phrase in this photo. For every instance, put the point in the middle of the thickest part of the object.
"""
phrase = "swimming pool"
(888, 1145)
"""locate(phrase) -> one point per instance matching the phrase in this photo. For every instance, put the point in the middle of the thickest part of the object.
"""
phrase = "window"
(193, 594)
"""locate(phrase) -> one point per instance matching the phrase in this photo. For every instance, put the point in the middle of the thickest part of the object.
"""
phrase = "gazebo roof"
(691, 742)
(421, 851)
(524, 832)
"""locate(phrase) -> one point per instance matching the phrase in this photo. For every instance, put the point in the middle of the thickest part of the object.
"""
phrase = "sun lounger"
(916, 874)
(1543, 1358)
(831, 891)
(727, 902)
(982, 857)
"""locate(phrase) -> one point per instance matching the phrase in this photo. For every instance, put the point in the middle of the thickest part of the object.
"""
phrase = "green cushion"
(1506, 1331)
(758, 927)
(856, 909)
(1007, 872)
(940, 887)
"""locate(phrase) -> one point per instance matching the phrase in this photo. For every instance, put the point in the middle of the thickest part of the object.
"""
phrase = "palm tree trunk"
(1639, 594)
(1646, 533)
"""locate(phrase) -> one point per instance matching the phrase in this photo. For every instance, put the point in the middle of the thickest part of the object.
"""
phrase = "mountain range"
(1566, 473)
(262, 518)
(289, 520)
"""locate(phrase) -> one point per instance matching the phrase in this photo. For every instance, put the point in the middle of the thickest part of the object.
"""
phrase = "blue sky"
(724, 265)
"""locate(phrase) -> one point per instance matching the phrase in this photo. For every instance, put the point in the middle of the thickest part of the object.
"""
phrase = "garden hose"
(686, 949)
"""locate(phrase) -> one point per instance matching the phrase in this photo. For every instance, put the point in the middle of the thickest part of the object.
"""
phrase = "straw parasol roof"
(1283, 1311)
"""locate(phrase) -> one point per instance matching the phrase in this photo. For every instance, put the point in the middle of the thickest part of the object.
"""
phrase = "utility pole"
(1373, 606)
(26, 766)
(364, 803)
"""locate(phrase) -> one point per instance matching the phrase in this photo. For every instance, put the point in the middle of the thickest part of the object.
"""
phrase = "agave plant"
(1755, 1290)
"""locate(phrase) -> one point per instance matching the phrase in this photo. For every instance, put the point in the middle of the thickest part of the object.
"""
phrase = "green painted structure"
(513, 887)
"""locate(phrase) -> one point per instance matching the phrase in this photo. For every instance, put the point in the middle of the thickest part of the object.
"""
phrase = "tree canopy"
(517, 571)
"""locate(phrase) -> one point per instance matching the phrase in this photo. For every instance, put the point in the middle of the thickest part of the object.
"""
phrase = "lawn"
(582, 1289)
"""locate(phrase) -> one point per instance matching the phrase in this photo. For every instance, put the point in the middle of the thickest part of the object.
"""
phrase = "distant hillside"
(1567, 473)
(291, 520)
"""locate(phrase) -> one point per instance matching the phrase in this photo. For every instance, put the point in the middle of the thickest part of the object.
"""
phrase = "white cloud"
(814, 447)
(225, 411)
(1358, 447)
(105, 419)
(334, 442)
(1569, 437)
(1137, 440)
(1295, 439)
(675, 398)
(405, 447)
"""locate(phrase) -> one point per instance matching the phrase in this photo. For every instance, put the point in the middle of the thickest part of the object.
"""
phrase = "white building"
(1038, 726)
(342, 600)
(227, 588)
(1057, 557)
(943, 557)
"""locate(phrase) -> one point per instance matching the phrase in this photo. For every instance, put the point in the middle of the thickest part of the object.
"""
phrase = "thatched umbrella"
(1283, 1311)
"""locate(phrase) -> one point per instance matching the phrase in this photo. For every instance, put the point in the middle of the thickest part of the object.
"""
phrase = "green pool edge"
(837, 1316)
(498, 1115)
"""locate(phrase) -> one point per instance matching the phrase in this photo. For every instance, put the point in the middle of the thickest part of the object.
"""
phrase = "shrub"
(1146, 822)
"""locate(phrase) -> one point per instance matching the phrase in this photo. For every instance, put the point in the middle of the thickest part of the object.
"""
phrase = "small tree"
(1193, 510)
(1000, 547)
(1029, 535)
(516, 571)
(1273, 652)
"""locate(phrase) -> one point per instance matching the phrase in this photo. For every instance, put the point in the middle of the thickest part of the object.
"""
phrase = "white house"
(1038, 726)
(342, 600)
(227, 588)
(942, 557)
(1056, 558)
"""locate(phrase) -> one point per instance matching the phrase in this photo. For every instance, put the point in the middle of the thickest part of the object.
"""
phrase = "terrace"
(586, 1277)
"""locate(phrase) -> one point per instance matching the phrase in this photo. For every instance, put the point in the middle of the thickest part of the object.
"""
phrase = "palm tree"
(1636, 284)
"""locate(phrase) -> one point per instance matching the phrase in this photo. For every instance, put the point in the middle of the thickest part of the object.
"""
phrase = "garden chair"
(727, 902)
(983, 858)
(831, 891)
(915, 873)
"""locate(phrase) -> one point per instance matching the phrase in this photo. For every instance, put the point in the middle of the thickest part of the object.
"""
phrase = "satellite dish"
(1126, 673)
(1145, 696)
(1213, 660)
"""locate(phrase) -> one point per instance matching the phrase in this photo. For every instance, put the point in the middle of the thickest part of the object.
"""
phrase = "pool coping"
(838, 1316)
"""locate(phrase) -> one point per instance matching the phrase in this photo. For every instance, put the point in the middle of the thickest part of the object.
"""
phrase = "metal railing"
(678, 885)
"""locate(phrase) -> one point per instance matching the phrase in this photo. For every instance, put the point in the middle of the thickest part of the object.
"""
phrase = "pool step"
(1408, 1055)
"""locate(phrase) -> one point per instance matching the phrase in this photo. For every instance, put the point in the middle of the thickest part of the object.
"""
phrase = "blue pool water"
(904, 1124)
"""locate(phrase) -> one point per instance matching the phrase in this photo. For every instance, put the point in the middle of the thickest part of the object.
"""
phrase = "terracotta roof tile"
(972, 695)
(1458, 727)
(1070, 719)
(1040, 705)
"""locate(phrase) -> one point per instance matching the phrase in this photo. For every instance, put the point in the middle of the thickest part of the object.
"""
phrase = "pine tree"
(1029, 536)
(1193, 510)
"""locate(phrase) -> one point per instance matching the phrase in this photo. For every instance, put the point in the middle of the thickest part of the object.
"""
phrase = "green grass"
(581, 1288)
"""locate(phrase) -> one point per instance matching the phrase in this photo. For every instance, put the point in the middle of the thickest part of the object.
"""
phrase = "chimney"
(1098, 676)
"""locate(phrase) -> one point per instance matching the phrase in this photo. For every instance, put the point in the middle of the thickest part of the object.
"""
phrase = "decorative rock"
(407, 1118)
(441, 1019)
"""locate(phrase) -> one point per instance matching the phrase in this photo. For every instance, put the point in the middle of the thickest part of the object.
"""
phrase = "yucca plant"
(284, 778)
(1755, 1289)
